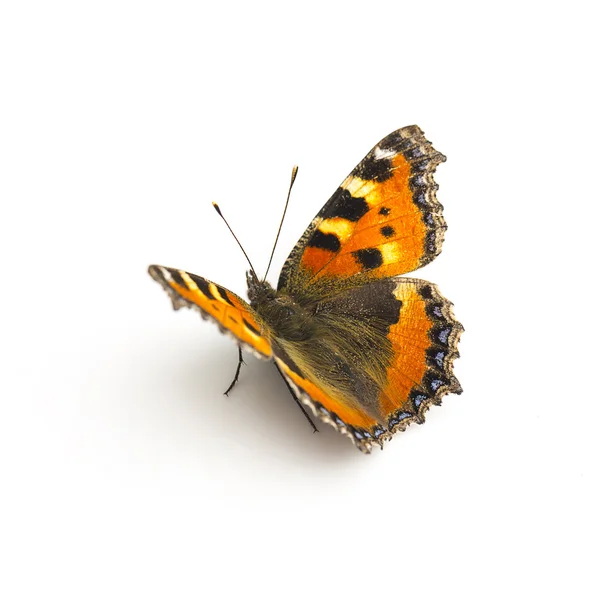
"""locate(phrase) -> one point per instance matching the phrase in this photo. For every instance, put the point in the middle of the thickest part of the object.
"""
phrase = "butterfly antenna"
(216, 207)
(294, 173)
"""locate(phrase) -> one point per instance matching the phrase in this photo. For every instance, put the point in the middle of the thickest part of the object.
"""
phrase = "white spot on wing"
(381, 154)
(358, 187)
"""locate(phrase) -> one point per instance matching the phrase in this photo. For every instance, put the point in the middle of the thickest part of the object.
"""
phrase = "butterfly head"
(259, 291)
(282, 315)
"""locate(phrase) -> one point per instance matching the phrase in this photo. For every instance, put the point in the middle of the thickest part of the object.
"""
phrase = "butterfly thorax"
(279, 312)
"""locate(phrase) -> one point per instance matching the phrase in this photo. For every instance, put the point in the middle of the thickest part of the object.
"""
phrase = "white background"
(125, 473)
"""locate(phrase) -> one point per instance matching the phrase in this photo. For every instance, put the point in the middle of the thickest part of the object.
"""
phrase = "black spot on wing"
(251, 327)
(325, 241)
(345, 206)
(369, 258)
(202, 285)
(426, 292)
(223, 294)
(387, 231)
(177, 278)
(374, 169)
(384, 210)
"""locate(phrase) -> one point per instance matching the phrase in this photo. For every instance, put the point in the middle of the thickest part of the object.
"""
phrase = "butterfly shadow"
(259, 413)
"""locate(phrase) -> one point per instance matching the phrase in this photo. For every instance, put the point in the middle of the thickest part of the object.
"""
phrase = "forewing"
(384, 219)
(389, 382)
(234, 316)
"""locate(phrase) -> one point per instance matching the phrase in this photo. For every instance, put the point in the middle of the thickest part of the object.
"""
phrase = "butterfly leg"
(300, 405)
(237, 371)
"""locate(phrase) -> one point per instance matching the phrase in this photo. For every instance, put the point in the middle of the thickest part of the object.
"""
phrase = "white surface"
(125, 472)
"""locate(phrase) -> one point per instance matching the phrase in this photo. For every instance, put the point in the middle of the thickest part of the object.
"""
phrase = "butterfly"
(366, 350)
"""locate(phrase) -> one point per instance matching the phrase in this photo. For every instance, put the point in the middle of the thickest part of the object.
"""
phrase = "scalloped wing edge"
(398, 420)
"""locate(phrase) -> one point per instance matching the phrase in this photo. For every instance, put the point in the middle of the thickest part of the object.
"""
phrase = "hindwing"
(396, 366)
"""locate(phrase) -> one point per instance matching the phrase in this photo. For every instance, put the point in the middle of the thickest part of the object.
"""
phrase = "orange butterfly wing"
(423, 342)
(384, 219)
(231, 313)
